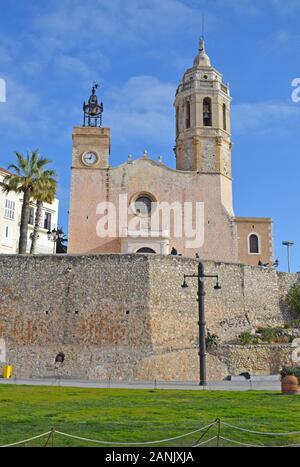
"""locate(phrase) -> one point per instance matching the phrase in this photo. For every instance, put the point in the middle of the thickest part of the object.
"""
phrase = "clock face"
(90, 158)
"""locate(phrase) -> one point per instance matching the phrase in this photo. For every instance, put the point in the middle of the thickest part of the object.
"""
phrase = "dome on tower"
(202, 58)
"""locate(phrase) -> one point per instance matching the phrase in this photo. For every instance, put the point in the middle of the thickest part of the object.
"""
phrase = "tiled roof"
(5, 171)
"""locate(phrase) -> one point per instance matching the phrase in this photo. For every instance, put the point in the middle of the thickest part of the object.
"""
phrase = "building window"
(143, 206)
(177, 121)
(254, 244)
(207, 113)
(9, 209)
(47, 221)
(188, 114)
(31, 216)
(224, 117)
(7, 236)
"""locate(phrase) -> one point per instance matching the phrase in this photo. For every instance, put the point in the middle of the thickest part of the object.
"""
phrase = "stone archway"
(146, 251)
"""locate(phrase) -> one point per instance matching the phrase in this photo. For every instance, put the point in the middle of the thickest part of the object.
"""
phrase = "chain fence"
(215, 434)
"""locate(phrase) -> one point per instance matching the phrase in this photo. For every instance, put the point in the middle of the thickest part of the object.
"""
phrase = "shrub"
(268, 334)
(212, 340)
(246, 338)
(293, 298)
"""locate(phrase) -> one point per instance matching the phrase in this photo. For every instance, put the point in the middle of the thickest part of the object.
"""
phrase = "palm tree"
(26, 173)
(61, 247)
(44, 192)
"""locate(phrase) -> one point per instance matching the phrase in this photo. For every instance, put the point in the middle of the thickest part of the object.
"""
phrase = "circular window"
(143, 205)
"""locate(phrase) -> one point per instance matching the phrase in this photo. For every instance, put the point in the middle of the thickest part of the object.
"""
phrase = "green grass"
(142, 415)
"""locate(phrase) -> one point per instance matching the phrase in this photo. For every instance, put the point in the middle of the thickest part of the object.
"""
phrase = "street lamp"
(288, 244)
(201, 311)
(55, 236)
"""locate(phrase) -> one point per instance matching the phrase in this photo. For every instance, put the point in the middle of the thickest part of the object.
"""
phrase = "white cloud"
(149, 128)
(68, 65)
(99, 20)
(143, 109)
(265, 117)
(21, 103)
(283, 42)
(140, 109)
(27, 116)
(143, 93)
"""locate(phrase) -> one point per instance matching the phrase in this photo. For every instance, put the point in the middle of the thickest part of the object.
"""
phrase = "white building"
(10, 216)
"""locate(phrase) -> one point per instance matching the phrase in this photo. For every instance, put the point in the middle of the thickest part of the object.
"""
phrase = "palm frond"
(30, 174)
(15, 168)
(22, 163)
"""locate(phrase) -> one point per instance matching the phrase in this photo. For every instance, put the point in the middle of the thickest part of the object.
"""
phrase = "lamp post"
(55, 236)
(201, 276)
(288, 245)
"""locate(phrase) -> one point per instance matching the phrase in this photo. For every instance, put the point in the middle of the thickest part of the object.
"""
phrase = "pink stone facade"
(203, 178)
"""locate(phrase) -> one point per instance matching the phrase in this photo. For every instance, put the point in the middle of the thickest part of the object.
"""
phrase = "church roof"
(158, 164)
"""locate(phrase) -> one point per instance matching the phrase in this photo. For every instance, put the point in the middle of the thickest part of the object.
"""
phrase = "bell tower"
(91, 142)
(203, 135)
(90, 163)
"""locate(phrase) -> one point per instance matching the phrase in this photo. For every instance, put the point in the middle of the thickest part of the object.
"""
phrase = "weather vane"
(93, 111)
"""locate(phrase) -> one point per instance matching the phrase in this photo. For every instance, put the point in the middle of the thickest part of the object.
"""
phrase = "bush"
(246, 338)
(212, 340)
(268, 334)
(293, 298)
(291, 371)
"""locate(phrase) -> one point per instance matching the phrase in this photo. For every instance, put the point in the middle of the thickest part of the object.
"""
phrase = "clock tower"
(90, 164)
(91, 142)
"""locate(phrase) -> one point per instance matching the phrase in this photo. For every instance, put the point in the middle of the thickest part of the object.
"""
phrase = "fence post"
(51, 435)
(219, 432)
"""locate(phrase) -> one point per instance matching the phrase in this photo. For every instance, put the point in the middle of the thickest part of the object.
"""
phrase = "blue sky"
(52, 50)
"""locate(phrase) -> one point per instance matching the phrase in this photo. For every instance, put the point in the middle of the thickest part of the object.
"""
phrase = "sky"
(51, 51)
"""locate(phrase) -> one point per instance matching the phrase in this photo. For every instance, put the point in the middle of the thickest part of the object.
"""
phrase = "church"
(144, 189)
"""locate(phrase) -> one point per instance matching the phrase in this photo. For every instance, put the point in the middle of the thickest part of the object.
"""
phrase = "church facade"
(144, 206)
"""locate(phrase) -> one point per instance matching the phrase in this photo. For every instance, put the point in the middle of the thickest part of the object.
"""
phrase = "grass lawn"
(120, 415)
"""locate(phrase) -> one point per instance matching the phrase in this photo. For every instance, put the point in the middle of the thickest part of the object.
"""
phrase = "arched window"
(143, 205)
(146, 251)
(188, 114)
(254, 244)
(224, 117)
(207, 113)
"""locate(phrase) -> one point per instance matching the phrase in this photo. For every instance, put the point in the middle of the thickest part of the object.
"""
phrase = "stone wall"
(255, 359)
(127, 317)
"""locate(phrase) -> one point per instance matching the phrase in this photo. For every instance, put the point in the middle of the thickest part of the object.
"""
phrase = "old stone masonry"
(126, 317)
